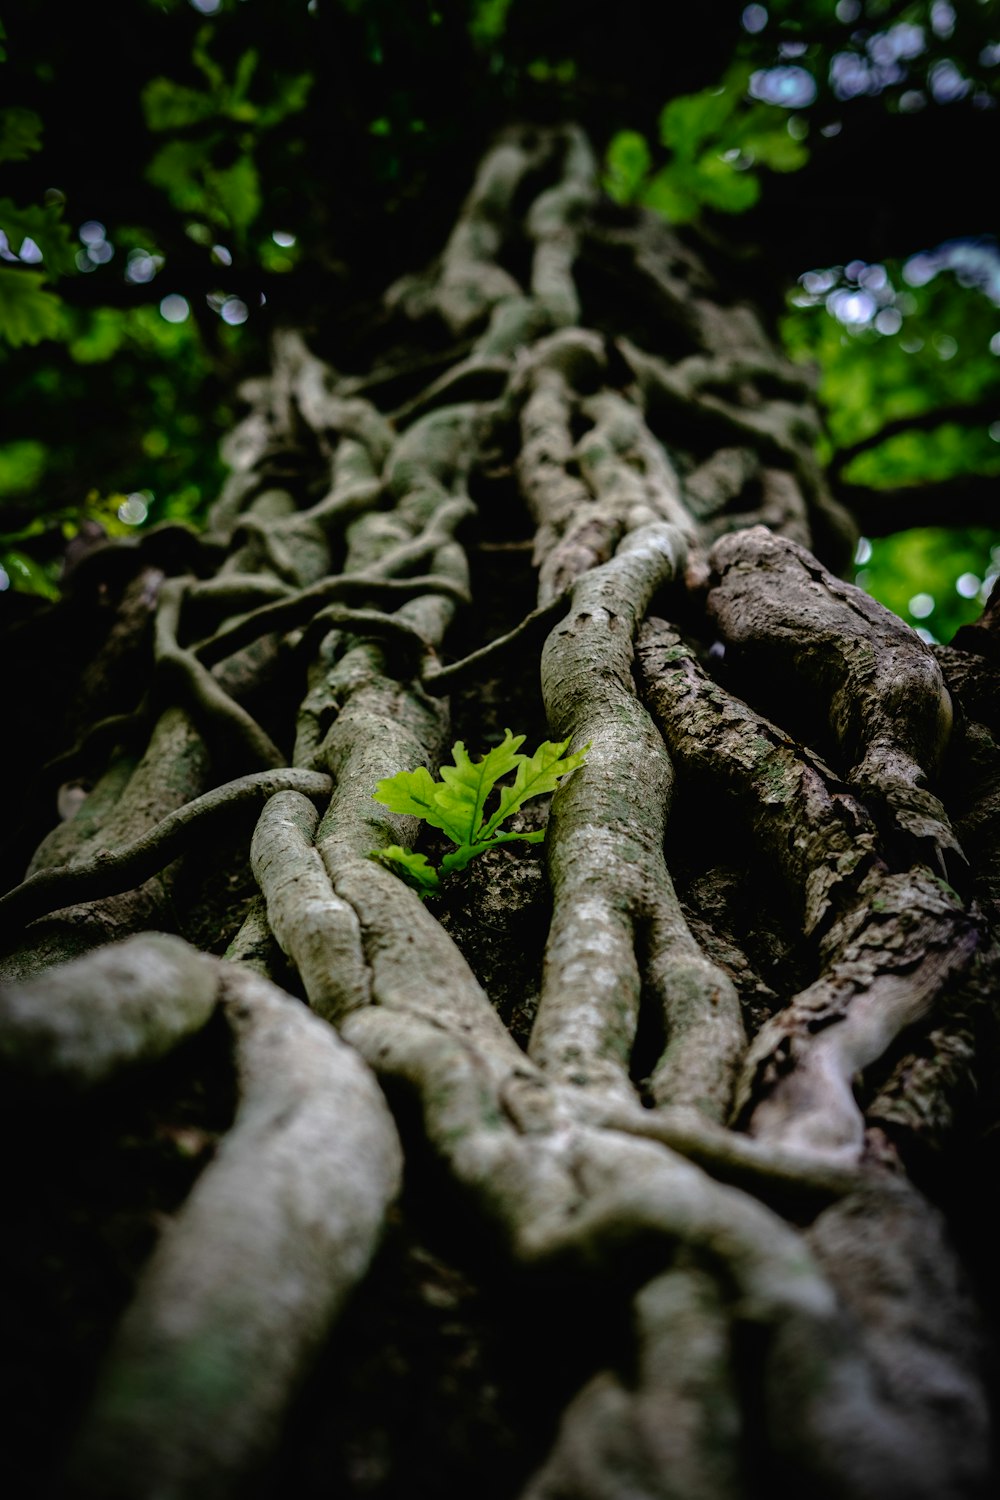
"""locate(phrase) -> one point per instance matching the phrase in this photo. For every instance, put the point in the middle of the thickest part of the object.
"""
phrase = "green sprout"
(456, 804)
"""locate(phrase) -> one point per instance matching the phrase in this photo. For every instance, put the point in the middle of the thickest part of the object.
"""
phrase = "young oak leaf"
(536, 774)
(466, 853)
(413, 868)
(456, 804)
(419, 795)
(468, 783)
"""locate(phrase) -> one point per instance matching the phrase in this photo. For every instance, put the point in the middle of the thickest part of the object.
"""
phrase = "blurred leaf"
(28, 575)
(773, 147)
(178, 169)
(28, 313)
(171, 106)
(628, 161)
(687, 122)
(22, 464)
(203, 60)
(237, 192)
(20, 133)
(719, 184)
(668, 195)
(715, 138)
(291, 97)
(45, 226)
(101, 339)
(488, 20)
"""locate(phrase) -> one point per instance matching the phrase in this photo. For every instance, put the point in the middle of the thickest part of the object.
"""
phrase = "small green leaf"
(413, 868)
(28, 313)
(456, 803)
(536, 774)
(417, 794)
(468, 783)
(628, 162)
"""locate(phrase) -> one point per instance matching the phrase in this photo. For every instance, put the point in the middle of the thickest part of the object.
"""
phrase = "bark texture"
(680, 1093)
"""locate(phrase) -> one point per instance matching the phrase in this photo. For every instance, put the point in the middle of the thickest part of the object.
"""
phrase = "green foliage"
(28, 313)
(45, 226)
(456, 804)
(922, 348)
(936, 351)
(20, 133)
(715, 139)
(21, 467)
(197, 172)
(929, 575)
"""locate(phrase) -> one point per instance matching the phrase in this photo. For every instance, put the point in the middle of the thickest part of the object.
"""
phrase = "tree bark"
(691, 1102)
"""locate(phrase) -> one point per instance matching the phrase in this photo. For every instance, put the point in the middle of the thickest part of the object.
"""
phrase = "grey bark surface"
(696, 1074)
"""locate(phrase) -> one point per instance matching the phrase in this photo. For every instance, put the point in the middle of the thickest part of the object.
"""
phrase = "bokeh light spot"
(921, 605)
(141, 267)
(889, 320)
(946, 82)
(234, 311)
(133, 510)
(754, 19)
(174, 308)
(968, 585)
(791, 87)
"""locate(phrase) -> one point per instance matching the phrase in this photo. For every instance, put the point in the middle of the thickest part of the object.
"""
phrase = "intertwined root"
(789, 1308)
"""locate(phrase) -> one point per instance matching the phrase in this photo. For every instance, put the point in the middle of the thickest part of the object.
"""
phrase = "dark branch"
(967, 500)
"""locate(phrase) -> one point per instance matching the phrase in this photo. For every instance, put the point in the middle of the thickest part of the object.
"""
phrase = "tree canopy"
(258, 164)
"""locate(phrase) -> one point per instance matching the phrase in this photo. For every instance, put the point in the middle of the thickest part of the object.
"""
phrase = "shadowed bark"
(679, 1093)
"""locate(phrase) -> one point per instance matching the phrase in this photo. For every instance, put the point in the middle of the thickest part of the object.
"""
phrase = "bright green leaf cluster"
(196, 171)
(456, 804)
(715, 139)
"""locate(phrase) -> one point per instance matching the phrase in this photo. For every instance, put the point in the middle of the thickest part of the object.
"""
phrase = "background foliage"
(265, 163)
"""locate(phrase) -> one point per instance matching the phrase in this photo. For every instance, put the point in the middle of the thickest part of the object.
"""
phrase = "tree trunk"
(644, 1163)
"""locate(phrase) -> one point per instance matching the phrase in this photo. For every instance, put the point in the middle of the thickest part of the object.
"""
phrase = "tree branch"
(966, 500)
(966, 413)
